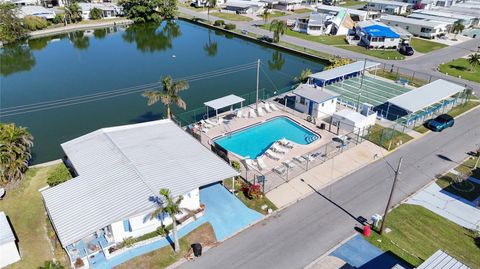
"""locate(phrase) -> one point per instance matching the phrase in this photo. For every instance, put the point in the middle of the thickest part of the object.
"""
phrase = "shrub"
(33, 23)
(219, 23)
(252, 191)
(59, 175)
(59, 18)
(230, 26)
(128, 242)
(95, 14)
(236, 165)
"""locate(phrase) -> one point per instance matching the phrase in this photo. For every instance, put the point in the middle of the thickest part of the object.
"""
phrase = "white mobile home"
(466, 20)
(108, 10)
(421, 28)
(355, 14)
(315, 101)
(389, 7)
(120, 172)
(245, 7)
(204, 3)
(375, 34)
(8, 243)
(288, 4)
(313, 25)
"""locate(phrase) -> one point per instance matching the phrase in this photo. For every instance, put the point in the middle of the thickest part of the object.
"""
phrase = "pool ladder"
(228, 131)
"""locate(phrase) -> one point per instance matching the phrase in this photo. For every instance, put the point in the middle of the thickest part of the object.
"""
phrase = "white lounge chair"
(267, 108)
(309, 157)
(214, 123)
(299, 159)
(261, 164)
(272, 154)
(289, 164)
(284, 142)
(239, 113)
(260, 111)
(274, 107)
(276, 148)
(206, 124)
(252, 113)
(249, 163)
(204, 129)
(280, 169)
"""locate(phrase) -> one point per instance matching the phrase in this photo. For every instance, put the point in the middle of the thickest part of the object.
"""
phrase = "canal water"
(41, 80)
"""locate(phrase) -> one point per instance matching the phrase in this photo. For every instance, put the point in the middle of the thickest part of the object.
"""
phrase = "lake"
(64, 86)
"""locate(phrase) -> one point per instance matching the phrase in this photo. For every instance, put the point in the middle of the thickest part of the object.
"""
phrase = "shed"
(8, 246)
(350, 120)
(315, 101)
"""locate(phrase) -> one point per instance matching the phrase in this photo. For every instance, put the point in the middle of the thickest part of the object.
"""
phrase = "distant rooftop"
(6, 233)
(442, 260)
(401, 19)
(315, 94)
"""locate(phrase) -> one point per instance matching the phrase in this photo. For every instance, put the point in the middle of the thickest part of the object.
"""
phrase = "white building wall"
(319, 110)
(8, 254)
(416, 29)
(142, 223)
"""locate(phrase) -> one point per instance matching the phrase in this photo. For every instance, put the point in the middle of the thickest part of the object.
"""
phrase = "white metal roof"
(6, 233)
(314, 94)
(440, 259)
(343, 70)
(350, 115)
(387, 2)
(426, 95)
(427, 17)
(411, 21)
(444, 13)
(336, 9)
(121, 168)
(224, 101)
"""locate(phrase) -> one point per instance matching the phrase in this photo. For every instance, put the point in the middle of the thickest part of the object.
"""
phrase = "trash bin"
(197, 249)
(366, 231)
(322, 126)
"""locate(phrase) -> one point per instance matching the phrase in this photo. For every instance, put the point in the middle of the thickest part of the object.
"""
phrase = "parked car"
(266, 38)
(406, 50)
(440, 123)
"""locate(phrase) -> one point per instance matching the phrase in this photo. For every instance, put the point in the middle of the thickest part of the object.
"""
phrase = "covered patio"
(340, 73)
(223, 102)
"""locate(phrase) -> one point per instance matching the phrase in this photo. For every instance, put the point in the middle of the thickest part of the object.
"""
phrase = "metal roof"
(444, 13)
(350, 115)
(121, 168)
(314, 94)
(442, 260)
(6, 233)
(427, 17)
(224, 101)
(380, 31)
(426, 95)
(386, 2)
(411, 21)
(338, 72)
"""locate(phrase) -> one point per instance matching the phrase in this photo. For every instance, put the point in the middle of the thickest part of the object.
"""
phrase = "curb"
(77, 27)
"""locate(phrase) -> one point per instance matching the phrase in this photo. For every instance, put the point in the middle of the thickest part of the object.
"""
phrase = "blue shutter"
(126, 226)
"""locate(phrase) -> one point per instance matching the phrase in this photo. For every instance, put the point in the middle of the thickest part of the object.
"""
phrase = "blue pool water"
(253, 141)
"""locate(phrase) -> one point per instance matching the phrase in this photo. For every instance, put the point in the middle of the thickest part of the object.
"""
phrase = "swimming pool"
(255, 140)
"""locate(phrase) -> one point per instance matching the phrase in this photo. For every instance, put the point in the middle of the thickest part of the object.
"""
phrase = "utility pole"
(391, 194)
(361, 84)
(258, 79)
(478, 157)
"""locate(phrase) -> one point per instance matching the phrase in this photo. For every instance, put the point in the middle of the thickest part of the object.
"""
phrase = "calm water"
(254, 141)
(90, 62)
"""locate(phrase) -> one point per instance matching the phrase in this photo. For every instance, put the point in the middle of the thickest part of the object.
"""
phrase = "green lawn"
(425, 46)
(463, 108)
(302, 10)
(461, 67)
(349, 3)
(387, 137)
(417, 233)
(379, 53)
(319, 54)
(230, 16)
(467, 189)
(324, 39)
(251, 203)
(276, 14)
(163, 257)
(24, 207)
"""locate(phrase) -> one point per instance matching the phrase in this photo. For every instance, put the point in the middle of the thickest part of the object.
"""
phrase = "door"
(310, 107)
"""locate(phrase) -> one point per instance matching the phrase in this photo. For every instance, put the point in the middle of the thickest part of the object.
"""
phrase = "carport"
(425, 100)
(223, 102)
(340, 73)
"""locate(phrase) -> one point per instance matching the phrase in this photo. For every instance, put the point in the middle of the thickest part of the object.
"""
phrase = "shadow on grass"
(458, 67)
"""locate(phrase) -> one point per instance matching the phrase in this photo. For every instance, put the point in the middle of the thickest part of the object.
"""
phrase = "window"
(332, 101)
(126, 226)
(425, 30)
(323, 104)
(302, 100)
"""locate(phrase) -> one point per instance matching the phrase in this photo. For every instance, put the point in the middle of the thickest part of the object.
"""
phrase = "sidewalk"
(326, 173)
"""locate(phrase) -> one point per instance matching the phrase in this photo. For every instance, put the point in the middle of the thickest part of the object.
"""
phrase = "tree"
(210, 4)
(169, 94)
(73, 13)
(266, 14)
(51, 265)
(95, 14)
(337, 62)
(168, 9)
(15, 147)
(33, 23)
(302, 78)
(168, 205)
(141, 10)
(474, 60)
(11, 28)
(148, 37)
(457, 28)
(278, 27)
(14, 59)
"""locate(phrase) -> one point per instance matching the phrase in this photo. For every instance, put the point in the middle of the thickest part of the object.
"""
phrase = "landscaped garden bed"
(259, 203)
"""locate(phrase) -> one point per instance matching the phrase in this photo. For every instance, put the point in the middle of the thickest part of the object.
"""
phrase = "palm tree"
(278, 27)
(473, 60)
(266, 14)
(457, 28)
(169, 94)
(168, 205)
(73, 13)
(302, 78)
(210, 3)
(15, 145)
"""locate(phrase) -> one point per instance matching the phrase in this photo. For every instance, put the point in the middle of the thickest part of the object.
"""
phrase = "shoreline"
(78, 27)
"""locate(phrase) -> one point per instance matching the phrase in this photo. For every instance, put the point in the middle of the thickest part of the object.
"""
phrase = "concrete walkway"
(449, 206)
(326, 173)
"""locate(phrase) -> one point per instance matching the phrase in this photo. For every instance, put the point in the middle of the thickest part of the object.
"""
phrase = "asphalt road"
(297, 235)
